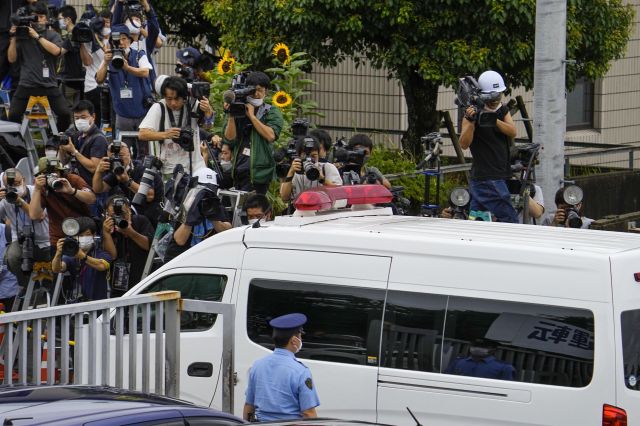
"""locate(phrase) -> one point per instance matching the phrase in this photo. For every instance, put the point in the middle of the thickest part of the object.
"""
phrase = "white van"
(395, 303)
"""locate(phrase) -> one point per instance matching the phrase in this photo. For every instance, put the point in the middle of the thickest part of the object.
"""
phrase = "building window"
(580, 105)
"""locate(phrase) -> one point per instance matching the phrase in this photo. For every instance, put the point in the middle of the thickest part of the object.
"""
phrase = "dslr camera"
(54, 182)
(117, 60)
(185, 139)
(185, 72)
(11, 192)
(26, 239)
(152, 166)
(470, 95)
(240, 91)
(118, 213)
(23, 19)
(117, 166)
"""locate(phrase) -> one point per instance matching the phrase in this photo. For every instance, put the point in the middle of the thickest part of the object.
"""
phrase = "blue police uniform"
(489, 368)
(281, 387)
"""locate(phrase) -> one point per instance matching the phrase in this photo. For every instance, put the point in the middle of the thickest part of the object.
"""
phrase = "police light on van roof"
(324, 198)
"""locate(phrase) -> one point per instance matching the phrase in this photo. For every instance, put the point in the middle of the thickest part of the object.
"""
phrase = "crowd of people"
(98, 69)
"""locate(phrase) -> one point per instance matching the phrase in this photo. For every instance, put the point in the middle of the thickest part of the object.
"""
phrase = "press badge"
(45, 72)
(126, 93)
(247, 152)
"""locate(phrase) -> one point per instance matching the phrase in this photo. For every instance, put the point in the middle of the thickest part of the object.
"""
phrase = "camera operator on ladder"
(490, 149)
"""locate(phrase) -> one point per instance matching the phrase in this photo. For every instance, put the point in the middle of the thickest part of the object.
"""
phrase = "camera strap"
(172, 119)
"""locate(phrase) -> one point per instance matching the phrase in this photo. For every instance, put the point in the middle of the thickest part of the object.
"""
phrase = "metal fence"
(72, 343)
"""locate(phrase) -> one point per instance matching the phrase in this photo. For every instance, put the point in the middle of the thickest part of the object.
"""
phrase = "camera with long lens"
(133, 7)
(117, 60)
(175, 191)
(459, 201)
(470, 95)
(573, 196)
(199, 90)
(11, 191)
(82, 32)
(25, 238)
(309, 166)
(152, 165)
(351, 159)
(283, 158)
(240, 91)
(54, 181)
(71, 229)
(23, 19)
(524, 156)
(185, 72)
(117, 166)
(118, 213)
(185, 139)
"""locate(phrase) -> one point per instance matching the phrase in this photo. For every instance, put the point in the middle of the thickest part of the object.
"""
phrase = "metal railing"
(86, 357)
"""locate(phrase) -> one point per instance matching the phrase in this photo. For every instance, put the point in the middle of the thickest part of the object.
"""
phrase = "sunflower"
(281, 51)
(281, 99)
(225, 65)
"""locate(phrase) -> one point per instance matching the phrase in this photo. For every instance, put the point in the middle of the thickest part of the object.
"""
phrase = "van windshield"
(631, 348)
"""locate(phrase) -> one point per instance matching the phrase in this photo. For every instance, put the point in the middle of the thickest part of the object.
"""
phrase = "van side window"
(412, 332)
(193, 286)
(344, 322)
(518, 341)
(630, 322)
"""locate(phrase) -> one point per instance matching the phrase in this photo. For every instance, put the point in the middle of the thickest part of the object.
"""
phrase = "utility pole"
(549, 95)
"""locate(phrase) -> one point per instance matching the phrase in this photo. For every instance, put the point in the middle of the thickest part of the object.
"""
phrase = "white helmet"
(491, 81)
(158, 84)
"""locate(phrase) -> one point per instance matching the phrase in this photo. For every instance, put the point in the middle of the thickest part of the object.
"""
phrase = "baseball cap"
(188, 56)
(206, 175)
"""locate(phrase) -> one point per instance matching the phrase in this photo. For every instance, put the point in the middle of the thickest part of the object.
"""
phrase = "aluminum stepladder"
(32, 114)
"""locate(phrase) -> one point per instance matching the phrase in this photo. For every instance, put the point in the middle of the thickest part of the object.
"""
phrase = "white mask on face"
(133, 29)
(85, 242)
(62, 24)
(226, 165)
(22, 190)
(50, 153)
(299, 347)
(106, 32)
(83, 125)
(255, 102)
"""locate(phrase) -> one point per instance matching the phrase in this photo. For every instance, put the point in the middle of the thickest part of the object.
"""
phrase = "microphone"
(228, 96)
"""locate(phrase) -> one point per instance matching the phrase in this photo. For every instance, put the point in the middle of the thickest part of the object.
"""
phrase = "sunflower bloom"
(281, 51)
(225, 65)
(281, 99)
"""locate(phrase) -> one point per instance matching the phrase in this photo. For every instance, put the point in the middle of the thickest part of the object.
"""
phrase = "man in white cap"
(490, 149)
(202, 215)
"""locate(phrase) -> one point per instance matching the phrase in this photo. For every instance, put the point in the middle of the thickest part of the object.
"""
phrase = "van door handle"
(200, 369)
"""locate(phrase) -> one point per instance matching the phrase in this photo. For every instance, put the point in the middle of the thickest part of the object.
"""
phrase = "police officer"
(280, 386)
(481, 362)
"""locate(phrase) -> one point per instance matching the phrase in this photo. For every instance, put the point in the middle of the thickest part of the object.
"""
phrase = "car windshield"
(630, 321)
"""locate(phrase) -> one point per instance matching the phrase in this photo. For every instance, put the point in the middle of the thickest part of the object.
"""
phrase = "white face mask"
(134, 29)
(106, 32)
(22, 190)
(62, 24)
(226, 165)
(83, 125)
(50, 153)
(299, 348)
(255, 102)
(85, 242)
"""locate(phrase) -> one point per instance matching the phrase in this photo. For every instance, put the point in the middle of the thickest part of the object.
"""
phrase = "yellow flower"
(281, 51)
(225, 65)
(281, 99)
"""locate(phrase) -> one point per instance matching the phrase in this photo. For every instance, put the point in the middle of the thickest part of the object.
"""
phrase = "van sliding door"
(343, 298)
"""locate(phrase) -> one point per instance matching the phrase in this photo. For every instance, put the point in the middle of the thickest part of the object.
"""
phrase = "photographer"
(128, 71)
(198, 225)
(127, 238)
(325, 143)
(144, 34)
(251, 137)
(173, 121)
(72, 73)
(192, 64)
(9, 288)
(362, 142)
(490, 149)
(62, 194)
(92, 55)
(107, 180)
(224, 161)
(91, 143)
(89, 265)
(298, 177)
(14, 209)
(258, 209)
(35, 49)
(567, 215)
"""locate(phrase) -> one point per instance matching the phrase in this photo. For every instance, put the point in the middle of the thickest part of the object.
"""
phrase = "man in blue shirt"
(280, 387)
(481, 363)
(8, 281)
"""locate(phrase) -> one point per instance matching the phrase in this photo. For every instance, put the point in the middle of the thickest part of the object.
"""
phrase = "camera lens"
(122, 223)
(70, 246)
(12, 195)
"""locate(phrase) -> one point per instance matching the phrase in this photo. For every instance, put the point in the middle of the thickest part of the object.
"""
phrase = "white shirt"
(91, 70)
(538, 198)
(171, 153)
(300, 182)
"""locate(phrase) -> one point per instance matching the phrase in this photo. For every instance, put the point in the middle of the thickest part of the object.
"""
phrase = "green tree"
(424, 43)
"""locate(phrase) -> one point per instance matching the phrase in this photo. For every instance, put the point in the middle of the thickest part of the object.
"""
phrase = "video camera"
(133, 7)
(152, 166)
(202, 201)
(470, 95)
(22, 19)
(117, 60)
(524, 157)
(240, 91)
(117, 166)
(82, 32)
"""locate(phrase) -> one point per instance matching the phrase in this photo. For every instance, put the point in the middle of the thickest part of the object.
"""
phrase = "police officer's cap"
(289, 321)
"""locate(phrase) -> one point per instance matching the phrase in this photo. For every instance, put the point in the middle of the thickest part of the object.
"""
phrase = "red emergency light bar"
(324, 198)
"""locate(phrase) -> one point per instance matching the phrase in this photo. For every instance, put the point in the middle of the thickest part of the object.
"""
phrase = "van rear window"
(630, 321)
